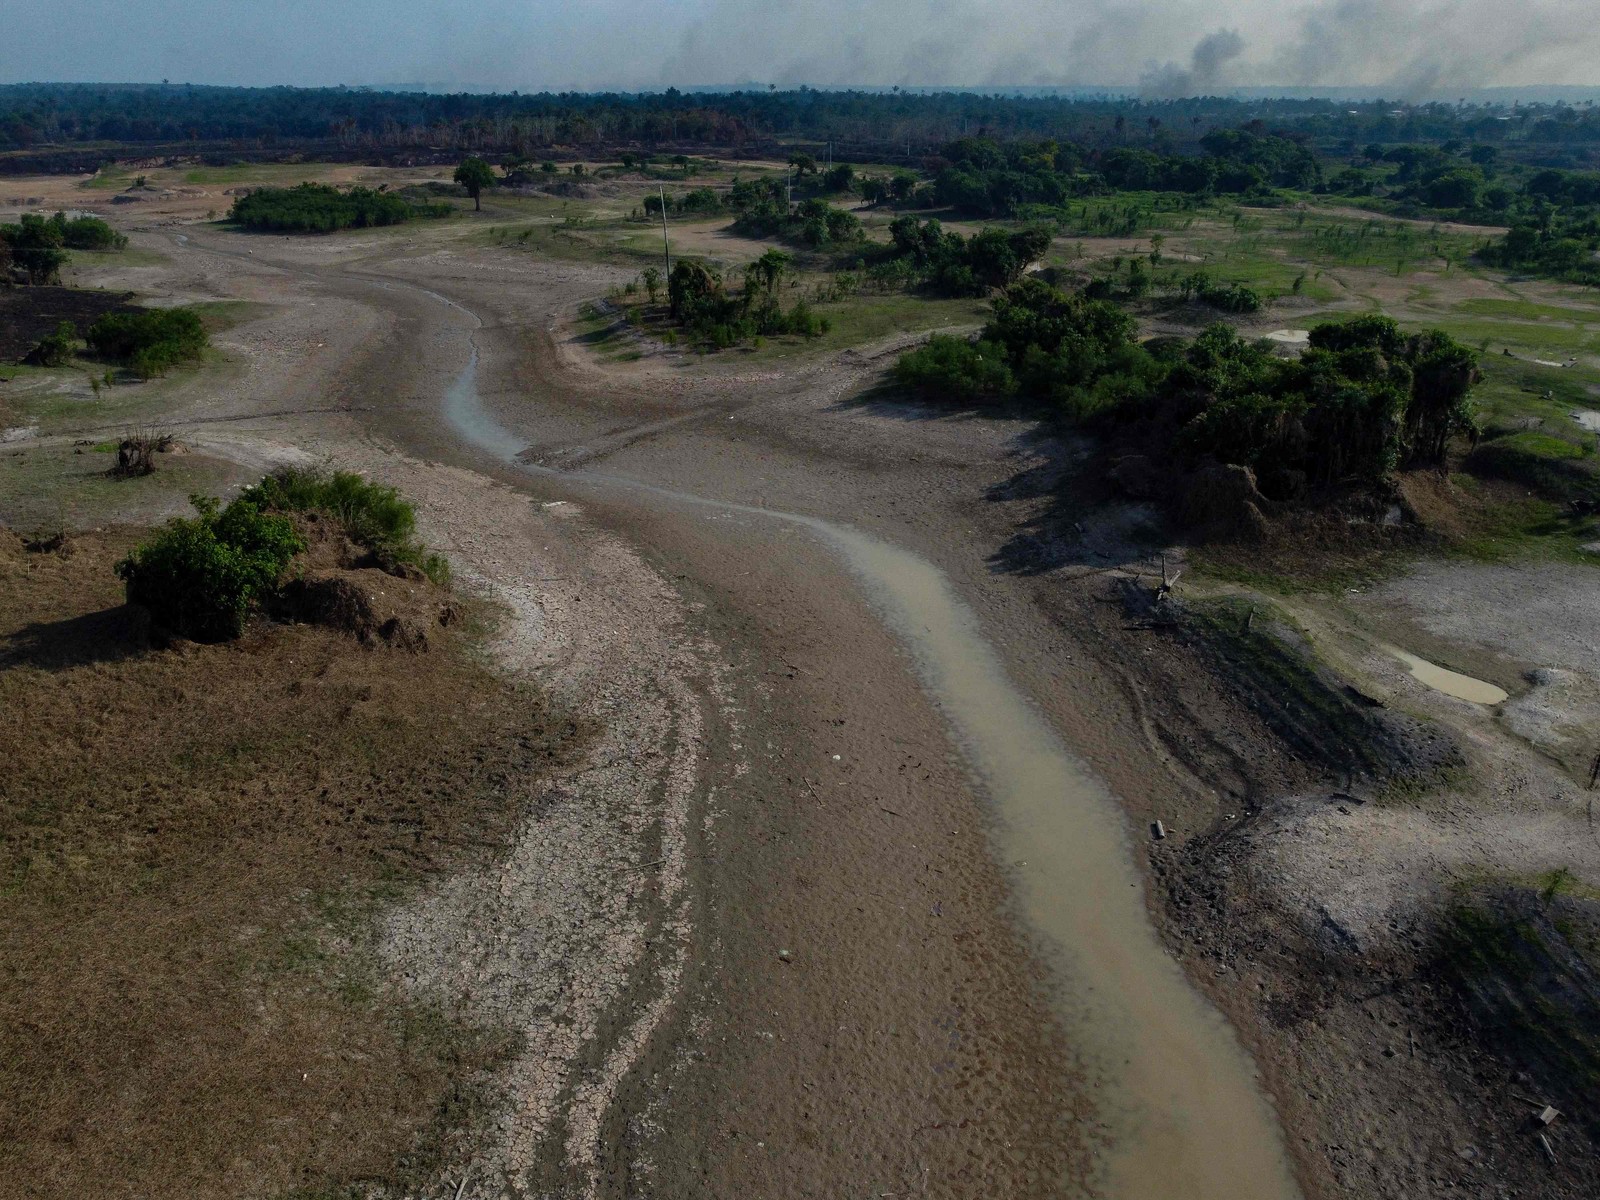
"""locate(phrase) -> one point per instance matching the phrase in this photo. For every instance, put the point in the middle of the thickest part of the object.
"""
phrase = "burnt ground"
(193, 843)
(29, 313)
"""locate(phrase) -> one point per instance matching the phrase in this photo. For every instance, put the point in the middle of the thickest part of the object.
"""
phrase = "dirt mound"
(355, 602)
(1223, 503)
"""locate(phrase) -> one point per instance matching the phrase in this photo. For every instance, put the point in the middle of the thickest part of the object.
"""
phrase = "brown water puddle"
(1451, 683)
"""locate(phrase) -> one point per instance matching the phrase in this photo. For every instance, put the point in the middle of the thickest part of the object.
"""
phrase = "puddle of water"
(1177, 1092)
(1462, 687)
(1589, 419)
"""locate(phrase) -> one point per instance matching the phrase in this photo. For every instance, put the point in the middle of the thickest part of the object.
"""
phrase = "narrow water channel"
(1176, 1090)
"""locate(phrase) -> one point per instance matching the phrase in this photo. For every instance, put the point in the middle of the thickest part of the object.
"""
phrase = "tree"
(767, 271)
(651, 278)
(803, 164)
(474, 174)
(36, 247)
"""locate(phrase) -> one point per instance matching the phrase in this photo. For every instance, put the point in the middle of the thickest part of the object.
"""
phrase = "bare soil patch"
(195, 845)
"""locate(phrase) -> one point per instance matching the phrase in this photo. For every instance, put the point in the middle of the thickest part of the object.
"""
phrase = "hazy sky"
(533, 45)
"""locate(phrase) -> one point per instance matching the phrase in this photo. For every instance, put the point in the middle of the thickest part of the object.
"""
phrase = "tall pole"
(665, 244)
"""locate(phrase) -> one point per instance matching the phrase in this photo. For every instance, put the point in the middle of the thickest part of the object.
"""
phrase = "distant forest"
(859, 124)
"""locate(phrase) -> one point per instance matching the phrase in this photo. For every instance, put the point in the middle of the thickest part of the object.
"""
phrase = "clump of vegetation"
(955, 370)
(699, 302)
(323, 208)
(35, 247)
(700, 202)
(88, 233)
(1363, 399)
(1226, 297)
(1560, 249)
(152, 341)
(952, 265)
(764, 211)
(56, 349)
(200, 577)
(372, 515)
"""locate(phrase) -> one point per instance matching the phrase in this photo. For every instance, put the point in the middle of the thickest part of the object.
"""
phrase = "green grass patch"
(131, 256)
(1506, 524)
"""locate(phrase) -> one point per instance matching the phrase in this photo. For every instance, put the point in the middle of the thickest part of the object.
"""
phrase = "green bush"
(88, 233)
(152, 341)
(957, 371)
(1363, 399)
(200, 577)
(55, 350)
(371, 514)
(322, 208)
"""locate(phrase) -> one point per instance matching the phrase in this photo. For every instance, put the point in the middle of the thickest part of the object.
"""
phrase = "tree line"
(856, 122)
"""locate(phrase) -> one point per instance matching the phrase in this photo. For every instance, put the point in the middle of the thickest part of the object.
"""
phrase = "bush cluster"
(1362, 399)
(55, 349)
(953, 265)
(764, 211)
(200, 577)
(372, 515)
(322, 208)
(152, 341)
(699, 302)
(699, 202)
(985, 178)
(1560, 249)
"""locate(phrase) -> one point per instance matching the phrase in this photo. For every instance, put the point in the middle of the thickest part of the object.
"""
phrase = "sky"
(1168, 47)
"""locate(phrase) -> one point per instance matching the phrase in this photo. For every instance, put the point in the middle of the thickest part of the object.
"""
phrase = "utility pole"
(665, 244)
(788, 202)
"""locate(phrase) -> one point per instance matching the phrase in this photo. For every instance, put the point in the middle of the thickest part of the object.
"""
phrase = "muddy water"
(1451, 683)
(1175, 1089)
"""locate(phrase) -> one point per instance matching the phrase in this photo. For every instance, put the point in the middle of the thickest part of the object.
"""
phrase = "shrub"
(957, 371)
(55, 350)
(89, 233)
(151, 342)
(371, 514)
(200, 577)
(322, 208)
(35, 246)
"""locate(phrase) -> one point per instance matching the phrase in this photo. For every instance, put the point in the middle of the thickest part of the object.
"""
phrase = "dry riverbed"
(771, 934)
